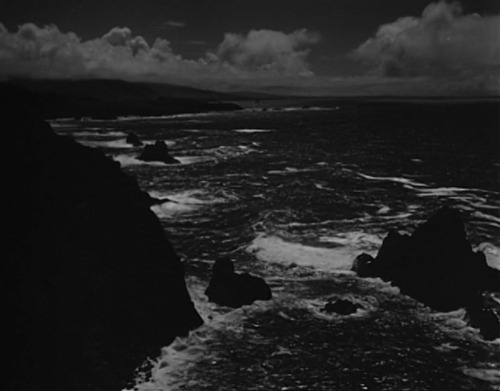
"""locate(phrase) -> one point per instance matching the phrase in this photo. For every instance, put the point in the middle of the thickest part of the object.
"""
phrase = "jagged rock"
(92, 285)
(157, 152)
(435, 265)
(481, 314)
(364, 266)
(133, 139)
(341, 307)
(487, 321)
(233, 289)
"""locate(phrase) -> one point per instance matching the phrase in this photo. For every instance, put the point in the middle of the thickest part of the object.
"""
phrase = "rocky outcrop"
(234, 289)
(435, 265)
(92, 285)
(134, 140)
(157, 152)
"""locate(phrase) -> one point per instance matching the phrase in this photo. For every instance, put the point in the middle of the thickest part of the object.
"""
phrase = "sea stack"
(157, 152)
(92, 285)
(134, 140)
(435, 265)
(235, 289)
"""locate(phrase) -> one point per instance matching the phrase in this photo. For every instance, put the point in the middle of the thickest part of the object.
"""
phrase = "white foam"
(402, 180)
(358, 240)
(440, 191)
(131, 160)
(194, 159)
(291, 170)
(454, 322)
(382, 216)
(383, 210)
(126, 118)
(492, 254)
(322, 187)
(118, 144)
(195, 115)
(182, 202)
(170, 117)
(367, 305)
(487, 216)
(102, 133)
(312, 108)
(274, 249)
(469, 195)
(185, 202)
(172, 370)
(483, 205)
(383, 286)
(486, 374)
(169, 209)
(253, 130)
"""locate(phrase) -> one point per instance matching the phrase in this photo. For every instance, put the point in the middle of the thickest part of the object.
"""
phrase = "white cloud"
(267, 50)
(443, 52)
(442, 43)
(47, 52)
(41, 52)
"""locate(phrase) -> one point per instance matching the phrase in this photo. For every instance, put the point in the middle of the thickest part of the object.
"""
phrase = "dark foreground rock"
(133, 139)
(92, 286)
(157, 152)
(435, 265)
(234, 289)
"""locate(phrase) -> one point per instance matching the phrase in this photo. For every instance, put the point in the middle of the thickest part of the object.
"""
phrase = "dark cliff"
(92, 284)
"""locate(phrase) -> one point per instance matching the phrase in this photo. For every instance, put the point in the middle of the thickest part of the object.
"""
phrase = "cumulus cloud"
(47, 52)
(40, 52)
(268, 50)
(442, 43)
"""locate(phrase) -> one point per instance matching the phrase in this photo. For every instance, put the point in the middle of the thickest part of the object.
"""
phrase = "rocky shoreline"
(436, 266)
(93, 286)
(93, 283)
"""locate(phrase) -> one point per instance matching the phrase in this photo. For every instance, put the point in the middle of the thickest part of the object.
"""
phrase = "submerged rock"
(92, 285)
(133, 139)
(435, 265)
(157, 152)
(341, 307)
(233, 289)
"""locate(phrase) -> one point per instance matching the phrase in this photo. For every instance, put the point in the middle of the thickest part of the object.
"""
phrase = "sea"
(293, 193)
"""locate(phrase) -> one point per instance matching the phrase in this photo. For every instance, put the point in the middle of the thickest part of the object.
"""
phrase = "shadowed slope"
(93, 286)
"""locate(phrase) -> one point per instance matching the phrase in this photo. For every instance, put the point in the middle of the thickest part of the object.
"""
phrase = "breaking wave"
(339, 258)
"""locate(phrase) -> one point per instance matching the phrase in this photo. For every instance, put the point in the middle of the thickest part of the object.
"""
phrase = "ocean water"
(294, 195)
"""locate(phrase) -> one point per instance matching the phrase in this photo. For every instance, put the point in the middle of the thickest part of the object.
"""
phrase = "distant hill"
(111, 98)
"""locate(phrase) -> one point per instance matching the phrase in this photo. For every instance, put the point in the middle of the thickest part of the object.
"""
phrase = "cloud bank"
(46, 52)
(267, 50)
(442, 52)
(443, 43)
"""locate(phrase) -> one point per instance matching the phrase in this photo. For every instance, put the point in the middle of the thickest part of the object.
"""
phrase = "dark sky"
(194, 27)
